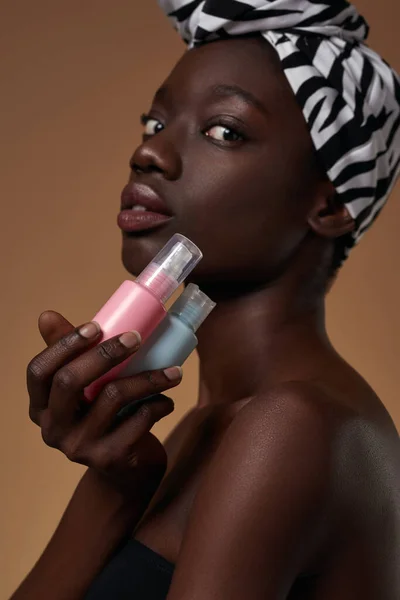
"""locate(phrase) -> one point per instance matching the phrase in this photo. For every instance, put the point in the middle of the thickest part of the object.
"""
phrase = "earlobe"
(330, 218)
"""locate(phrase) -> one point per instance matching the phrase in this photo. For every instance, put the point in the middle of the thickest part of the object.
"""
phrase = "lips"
(142, 209)
(140, 195)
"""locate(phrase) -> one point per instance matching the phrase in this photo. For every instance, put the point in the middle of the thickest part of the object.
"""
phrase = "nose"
(157, 155)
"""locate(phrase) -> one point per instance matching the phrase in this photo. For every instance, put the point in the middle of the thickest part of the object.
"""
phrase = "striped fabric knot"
(199, 21)
(349, 95)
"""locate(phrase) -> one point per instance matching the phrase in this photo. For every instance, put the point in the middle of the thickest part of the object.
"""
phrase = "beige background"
(74, 78)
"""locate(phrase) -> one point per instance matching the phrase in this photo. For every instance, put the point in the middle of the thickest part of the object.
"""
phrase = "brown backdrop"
(74, 78)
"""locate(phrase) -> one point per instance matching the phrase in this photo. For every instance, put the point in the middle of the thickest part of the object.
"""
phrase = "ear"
(330, 218)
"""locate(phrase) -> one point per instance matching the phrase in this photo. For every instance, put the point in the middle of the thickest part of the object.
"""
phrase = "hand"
(125, 452)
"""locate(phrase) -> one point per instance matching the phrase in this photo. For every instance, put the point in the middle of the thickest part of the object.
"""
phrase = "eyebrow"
(224, 91)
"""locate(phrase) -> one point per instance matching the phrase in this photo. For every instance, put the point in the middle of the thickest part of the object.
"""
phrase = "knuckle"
(144, 412)
(35, 369)
(104, 459)
(134, 459)
(153, 380)
(106, 350)
(33, 415)
(73, 450)
(50, 436)
(67, 342)
(112, 393)
(64, 379)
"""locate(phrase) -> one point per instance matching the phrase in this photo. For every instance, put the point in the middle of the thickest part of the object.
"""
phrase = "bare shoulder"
(294, 473)
(299, 408)
(336, 443)
(283, 444)
(306, 404)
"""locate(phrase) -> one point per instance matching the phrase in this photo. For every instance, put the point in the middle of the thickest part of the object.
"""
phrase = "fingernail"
(89, 330)
(130, 339)
(173, 373)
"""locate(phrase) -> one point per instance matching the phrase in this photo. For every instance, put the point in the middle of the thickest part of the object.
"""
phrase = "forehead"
(251, 64)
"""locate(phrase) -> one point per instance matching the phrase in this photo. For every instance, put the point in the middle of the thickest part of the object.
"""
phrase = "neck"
(258, 338)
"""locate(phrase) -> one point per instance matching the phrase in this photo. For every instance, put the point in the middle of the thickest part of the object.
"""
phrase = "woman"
(283, 480)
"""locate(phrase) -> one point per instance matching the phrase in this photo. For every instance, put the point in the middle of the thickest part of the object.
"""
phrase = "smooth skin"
(283, 481)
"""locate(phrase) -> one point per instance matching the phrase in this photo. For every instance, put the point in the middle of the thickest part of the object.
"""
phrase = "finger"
(41, 369)
(70, 381)
(120, 393)
(121, 441)
(53, 326)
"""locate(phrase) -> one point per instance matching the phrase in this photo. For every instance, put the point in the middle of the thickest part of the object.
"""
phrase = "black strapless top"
(136, 572)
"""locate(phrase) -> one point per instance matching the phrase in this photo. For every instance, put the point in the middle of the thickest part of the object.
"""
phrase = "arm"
(126, 461)
(261, 512)
(97, 518)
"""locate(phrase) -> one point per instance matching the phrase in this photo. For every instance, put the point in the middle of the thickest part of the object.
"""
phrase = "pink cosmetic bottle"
(139, 305)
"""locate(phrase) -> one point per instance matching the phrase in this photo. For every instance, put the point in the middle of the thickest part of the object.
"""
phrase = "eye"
(151, 126)
(221, 133)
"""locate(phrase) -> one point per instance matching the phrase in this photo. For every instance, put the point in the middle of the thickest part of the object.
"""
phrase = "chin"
(140, 248)
(137, 252)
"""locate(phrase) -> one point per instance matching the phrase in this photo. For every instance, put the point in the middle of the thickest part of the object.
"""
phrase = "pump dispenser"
(170, 267)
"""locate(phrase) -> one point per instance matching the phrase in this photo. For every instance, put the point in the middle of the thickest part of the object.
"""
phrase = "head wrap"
(349, 95)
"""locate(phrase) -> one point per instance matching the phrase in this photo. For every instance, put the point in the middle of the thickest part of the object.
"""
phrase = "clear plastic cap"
(170, 267)
(192, 307)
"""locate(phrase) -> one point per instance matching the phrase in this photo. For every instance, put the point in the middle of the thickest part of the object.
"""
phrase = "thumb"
(53, 326)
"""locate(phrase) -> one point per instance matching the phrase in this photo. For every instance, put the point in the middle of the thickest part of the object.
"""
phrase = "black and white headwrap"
(349, 95)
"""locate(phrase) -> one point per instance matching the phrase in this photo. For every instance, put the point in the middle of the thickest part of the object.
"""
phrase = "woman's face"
(227, 149)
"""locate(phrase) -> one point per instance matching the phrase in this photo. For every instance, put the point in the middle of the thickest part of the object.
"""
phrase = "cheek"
(241, 214)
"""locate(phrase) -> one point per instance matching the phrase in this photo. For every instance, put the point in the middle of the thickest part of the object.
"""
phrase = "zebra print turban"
(349, 95)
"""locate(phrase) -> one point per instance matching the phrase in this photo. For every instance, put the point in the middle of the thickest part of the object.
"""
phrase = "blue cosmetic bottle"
(174, 339)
